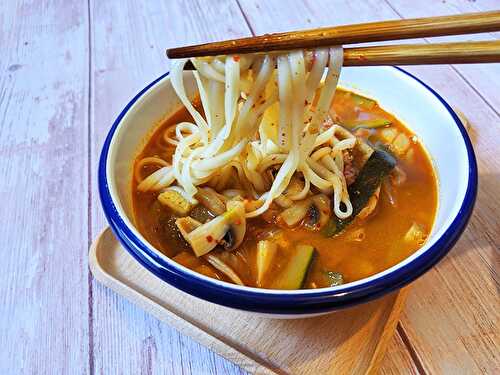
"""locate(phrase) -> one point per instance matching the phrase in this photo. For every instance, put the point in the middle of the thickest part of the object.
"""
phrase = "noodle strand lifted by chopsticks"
(235, 141)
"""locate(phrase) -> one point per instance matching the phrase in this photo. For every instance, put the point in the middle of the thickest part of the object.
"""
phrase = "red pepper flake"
(237, 222)
(236, 58)
(209, 238)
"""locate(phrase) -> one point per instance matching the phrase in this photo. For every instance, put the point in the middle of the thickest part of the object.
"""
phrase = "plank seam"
(411, 349)
(475, 90)
(452, 67)
(245, 17)
(90, 299)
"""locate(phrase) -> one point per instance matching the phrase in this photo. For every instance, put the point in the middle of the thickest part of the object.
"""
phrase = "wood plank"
(480, 76)
(466, 312)
(476, 6)
(44, 186)
(128, 51)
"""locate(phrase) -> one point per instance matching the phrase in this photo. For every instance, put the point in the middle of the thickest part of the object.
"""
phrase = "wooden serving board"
(351, 341)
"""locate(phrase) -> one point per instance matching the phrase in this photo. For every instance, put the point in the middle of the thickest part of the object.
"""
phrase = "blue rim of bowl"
(298, 303)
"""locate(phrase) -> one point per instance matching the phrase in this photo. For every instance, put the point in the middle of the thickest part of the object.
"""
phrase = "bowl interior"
(396, 92)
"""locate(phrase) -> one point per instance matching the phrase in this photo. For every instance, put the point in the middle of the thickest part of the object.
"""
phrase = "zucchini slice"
(371, 124)
(294, 274)
(376, 168)
(367, 124)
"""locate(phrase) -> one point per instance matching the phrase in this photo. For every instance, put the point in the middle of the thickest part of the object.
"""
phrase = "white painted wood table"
(66, 70)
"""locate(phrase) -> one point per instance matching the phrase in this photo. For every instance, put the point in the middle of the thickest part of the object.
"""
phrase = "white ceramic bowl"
(403, 95)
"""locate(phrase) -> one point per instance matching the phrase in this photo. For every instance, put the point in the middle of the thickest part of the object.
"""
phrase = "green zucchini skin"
(295, 273)
(376, 168)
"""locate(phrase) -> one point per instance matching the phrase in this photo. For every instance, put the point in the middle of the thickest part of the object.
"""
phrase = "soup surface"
(396, 222)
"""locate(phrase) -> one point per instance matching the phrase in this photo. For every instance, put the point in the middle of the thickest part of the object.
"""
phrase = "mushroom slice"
(237, 227)
(205, 237)
(314, 211)
(295, 213)
(186, 225)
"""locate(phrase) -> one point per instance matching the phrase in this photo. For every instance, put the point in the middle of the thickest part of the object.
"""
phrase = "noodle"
(231, 149)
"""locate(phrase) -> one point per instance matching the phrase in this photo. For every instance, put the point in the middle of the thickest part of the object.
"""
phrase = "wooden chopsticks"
(405, 54)
(424, 54)
(419, 54)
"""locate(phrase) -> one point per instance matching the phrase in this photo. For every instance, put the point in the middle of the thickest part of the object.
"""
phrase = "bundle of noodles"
(262, 126)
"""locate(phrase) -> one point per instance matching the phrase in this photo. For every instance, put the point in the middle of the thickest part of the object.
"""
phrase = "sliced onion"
(209, 198)
(224, 268)
(293, 215)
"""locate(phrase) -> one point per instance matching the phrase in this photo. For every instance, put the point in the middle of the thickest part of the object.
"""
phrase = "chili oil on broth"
(355, 256)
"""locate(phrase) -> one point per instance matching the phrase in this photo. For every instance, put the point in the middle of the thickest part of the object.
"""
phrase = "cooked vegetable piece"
(356, 235)
(378, 166)
(416, 233)
(295, 213)
(314, 211)
(266, 251)
(234, 193)
(186, 225)
(281, 239)
(398, 176)
(370, 206)
(410, 155)
(187, 260)
(323, 205)
(175, 201)
(294, 187)
(388, 134)
(361, 153)
(361, 100)
(371, 124)
(201, 213)
(400, 144)
(206, 237)
(224, 268)
(311, 220)
(209, 198)
(238, 223)
(283, 201)
(334, 278)
(207, 271)
(295, 272)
